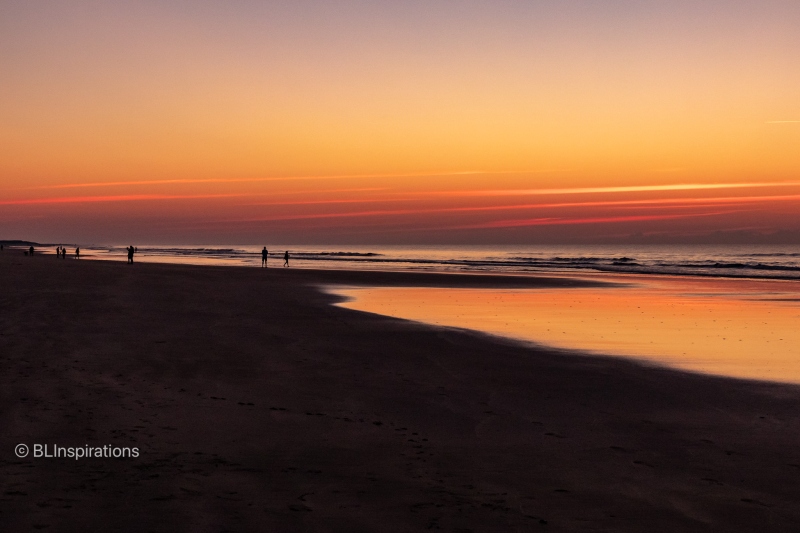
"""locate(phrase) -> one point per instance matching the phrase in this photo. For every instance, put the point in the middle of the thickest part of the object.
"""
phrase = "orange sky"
(380, 122)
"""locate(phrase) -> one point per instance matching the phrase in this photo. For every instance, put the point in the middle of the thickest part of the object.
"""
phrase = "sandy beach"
(256, 405)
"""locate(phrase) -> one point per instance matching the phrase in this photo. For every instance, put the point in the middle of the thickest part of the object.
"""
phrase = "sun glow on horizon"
(258, 121)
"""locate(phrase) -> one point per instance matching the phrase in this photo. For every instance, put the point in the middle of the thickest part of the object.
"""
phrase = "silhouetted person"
(63, 253)
(30, 250)
(1, 247)
(58, 252)
(77, 253)
(264, 254)
(286, 259)
(131, 249)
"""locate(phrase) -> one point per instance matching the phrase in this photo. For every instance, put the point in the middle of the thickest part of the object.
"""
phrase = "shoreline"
(259, 406)
(312, 258)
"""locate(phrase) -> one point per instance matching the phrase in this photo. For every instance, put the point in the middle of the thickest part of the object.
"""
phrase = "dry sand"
(258, 406)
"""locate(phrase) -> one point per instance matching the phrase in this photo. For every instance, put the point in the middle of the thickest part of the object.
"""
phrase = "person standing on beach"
(77, 252)
(63, 253)
(286, 259)
(30, 250)
(130, 254)
(264, 254)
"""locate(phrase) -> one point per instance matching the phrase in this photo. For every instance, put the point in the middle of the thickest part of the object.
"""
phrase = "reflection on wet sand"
(738, 328)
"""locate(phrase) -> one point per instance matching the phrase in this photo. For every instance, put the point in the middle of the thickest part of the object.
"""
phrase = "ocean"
(724, 261)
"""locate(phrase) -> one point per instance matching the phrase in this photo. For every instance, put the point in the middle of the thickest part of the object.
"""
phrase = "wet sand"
(729, 327)
(258, 406)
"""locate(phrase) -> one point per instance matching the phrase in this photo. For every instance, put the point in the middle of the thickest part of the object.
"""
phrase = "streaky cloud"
(622, 189)
(555, 221)
(119, 198)
(189, 181)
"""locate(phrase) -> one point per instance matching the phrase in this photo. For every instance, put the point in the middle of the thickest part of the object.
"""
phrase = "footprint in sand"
(755, 502)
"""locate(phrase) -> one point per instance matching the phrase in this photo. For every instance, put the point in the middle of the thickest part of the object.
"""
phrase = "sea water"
(744, 328)
(729, 261)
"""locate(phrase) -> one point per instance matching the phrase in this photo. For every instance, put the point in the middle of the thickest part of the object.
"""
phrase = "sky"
(380, 122)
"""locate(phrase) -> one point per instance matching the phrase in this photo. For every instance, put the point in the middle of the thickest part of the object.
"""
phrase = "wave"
(327, 255)
(740, 266)
(729, 262)
(191, 251)
(778, 254)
